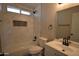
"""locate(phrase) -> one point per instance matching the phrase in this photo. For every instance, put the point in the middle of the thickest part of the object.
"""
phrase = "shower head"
(34, 12)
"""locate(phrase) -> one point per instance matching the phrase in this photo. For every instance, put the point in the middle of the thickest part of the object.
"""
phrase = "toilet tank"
(42, 41)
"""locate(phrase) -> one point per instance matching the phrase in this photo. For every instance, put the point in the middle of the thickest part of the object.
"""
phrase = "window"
(25, 12)
(17, 10)
(11, 9)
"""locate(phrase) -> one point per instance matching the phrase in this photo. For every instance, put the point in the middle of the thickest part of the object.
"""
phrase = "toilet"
(37, 50)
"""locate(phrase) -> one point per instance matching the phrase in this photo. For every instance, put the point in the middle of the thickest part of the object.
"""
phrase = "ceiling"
(32, 5)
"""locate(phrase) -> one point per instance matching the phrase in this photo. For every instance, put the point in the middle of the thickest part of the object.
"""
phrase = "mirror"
(68, 23)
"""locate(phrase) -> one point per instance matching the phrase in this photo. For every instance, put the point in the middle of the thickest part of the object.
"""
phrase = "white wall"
(48, 15)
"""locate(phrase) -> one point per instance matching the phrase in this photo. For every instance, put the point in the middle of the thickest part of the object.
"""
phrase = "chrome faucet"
(66, 40)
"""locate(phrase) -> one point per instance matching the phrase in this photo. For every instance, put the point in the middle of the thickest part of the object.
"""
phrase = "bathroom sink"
(68, 50)
(62, 47)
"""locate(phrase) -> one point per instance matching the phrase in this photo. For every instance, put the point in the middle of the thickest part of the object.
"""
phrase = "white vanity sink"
(70, 50)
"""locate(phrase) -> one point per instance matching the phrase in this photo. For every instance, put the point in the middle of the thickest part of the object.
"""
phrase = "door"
(75, 27)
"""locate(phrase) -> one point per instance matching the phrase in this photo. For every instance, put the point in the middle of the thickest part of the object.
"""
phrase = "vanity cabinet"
(49, 51)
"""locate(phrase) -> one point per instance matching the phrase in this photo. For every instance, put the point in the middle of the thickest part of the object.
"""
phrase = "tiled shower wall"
(16, 38)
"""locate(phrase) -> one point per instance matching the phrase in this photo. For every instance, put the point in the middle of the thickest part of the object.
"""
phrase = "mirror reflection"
(67, 23)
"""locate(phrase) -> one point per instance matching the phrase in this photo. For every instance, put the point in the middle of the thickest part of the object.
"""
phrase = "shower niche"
(19, 23)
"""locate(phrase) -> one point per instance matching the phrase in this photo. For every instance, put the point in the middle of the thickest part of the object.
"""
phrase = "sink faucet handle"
(64, 41)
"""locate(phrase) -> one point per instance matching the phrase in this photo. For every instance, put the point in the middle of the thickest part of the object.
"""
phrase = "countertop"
(71, 50)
